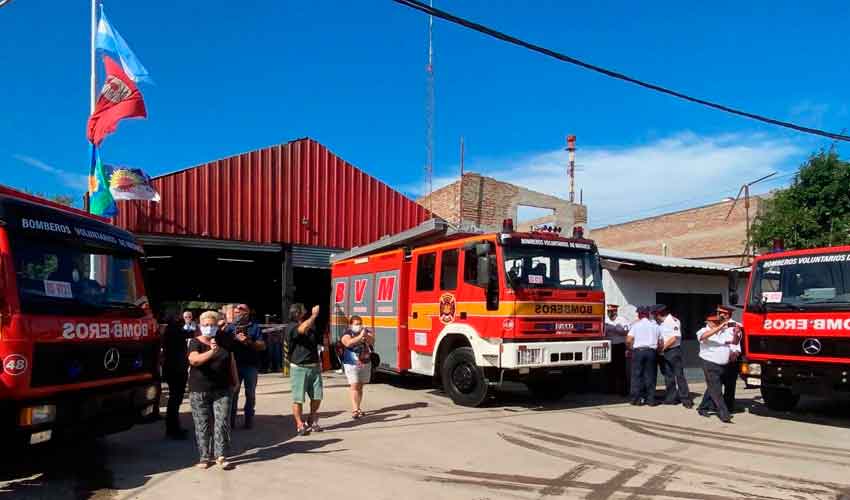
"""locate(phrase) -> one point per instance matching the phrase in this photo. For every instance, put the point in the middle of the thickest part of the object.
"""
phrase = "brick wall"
(487, 202)
(697, 233)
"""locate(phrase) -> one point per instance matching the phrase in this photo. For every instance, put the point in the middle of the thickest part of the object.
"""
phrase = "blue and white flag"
(109, 40)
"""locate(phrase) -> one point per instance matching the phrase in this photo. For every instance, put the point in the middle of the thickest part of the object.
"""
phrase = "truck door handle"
(463, 315)
(415, 314)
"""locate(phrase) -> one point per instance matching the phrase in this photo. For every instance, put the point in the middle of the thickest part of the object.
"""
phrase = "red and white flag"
(119, 98)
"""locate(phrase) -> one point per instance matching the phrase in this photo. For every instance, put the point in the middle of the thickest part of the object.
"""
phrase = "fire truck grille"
(59, 364)
(793, 346)
(529, 357)
(599, 353)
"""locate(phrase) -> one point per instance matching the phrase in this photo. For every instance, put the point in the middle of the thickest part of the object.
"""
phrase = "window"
(448, 270)
(426, 265)
(470, 267)
(548, 267)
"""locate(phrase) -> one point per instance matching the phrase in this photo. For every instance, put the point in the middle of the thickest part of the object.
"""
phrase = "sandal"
(223, 463)
(203, 465)
(314, 427)
(303, 430)
(355, 415)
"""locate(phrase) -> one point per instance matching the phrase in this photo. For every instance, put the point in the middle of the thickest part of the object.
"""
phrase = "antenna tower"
(571, 170)
(429, 113)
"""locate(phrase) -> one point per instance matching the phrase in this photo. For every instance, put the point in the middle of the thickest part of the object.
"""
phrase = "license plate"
(754, 381)
(41, 437)
(596, 366)
(565, 327)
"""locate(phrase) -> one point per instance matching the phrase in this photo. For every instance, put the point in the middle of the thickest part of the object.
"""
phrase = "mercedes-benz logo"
(811, 346)
(111, 359)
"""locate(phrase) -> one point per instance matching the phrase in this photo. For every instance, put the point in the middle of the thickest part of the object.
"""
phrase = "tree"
(814, 211)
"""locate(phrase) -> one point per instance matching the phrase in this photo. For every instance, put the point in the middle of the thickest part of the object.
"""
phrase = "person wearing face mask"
(212, 377)
(356, 360)
(245, 339)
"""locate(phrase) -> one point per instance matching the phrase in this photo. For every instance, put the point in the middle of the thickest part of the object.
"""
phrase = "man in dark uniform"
(175, 370)
(616, 329)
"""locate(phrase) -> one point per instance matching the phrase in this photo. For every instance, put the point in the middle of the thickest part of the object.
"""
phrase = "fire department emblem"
(447, 308)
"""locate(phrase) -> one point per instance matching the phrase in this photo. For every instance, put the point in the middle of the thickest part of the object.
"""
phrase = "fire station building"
(260, 227)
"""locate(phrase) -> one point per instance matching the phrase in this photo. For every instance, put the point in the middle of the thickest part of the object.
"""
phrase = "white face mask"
(356, 328)
(209, 331)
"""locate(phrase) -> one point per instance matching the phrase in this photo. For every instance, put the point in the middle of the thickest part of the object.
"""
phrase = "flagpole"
(93, 88)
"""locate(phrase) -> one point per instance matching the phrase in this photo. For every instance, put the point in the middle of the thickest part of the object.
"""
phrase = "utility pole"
(460, 189)
(571, 170)
(749, 251)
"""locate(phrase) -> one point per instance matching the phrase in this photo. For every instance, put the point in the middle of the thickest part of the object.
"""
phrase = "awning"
(619, 259)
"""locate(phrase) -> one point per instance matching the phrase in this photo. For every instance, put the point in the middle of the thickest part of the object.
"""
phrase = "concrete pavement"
(416, 444)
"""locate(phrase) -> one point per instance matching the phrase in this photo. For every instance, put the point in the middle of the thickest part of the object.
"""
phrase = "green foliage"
(41, 270)
(814, 211)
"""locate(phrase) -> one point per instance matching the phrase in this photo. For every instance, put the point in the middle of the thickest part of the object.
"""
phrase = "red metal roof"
(298, 193)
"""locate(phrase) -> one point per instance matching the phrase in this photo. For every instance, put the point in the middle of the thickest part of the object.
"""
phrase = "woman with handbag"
(212, 377)
(357, 360)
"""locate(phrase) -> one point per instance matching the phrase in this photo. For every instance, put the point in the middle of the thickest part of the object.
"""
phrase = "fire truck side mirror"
(733, 287)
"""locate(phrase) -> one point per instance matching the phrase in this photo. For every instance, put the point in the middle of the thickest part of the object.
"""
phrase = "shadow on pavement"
(832, 413)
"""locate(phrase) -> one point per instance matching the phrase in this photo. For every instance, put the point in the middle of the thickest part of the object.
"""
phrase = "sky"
(232, 77)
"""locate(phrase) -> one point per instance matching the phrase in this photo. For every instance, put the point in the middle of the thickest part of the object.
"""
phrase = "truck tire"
(463, 380)
(779, 399)
(553, 389)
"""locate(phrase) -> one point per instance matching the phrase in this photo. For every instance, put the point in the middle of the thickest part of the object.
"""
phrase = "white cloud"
(810, 113)
(672, 173)
(70, 179)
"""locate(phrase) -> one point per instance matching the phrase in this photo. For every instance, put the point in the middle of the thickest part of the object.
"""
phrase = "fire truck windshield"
(57, 278)
(552, 267)
(802, 282)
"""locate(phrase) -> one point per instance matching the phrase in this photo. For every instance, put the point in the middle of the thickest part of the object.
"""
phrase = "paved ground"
(416, 444)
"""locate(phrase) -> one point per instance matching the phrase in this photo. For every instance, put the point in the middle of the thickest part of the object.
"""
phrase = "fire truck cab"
(797, 325)
(473, 309)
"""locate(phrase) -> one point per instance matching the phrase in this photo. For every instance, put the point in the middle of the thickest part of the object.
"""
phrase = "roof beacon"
(508, 226)
(578, 232)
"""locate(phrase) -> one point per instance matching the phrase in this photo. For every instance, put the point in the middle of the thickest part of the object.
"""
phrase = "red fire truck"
(797, 325)
(78, 344)
(473, 310)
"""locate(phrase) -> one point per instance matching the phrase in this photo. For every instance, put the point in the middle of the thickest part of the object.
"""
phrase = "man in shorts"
(305, 372)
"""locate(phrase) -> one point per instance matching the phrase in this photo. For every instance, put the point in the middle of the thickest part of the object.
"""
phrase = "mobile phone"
(731, 324)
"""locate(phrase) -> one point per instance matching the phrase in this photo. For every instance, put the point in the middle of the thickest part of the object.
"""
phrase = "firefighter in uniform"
(734, 333)
(715, 350)
(671, 359)
(644, 338)
(616, 329)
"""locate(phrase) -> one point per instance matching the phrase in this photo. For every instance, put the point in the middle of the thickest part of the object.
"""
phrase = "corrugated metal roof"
(661, 261)
(298, 193)
(314, 257)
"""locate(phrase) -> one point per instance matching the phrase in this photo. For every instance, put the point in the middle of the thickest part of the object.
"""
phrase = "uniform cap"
(659, 309)
(723, 308)
(613, 306)
(643, 311)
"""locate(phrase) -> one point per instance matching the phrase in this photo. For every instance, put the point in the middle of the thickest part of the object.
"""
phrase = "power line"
(414, 4)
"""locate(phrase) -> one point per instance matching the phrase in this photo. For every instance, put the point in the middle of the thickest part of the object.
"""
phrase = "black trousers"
(730, 382)
(714, 380)
(644, 374)
(618, 371)
(673, 368)
(176, 379)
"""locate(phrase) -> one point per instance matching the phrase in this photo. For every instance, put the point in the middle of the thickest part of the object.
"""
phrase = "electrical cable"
(414, 4)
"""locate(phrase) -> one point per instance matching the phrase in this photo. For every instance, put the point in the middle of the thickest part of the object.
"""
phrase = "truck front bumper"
(534, 355)
(827, 380)
(90, 412)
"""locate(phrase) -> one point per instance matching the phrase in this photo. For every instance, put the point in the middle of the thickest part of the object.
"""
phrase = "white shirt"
(646, 334)
(715, 348)
(671, 327)
(616, 329)
(190, 327)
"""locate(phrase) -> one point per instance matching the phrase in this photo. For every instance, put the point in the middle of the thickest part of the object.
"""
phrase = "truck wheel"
(779, 399)
(463, 380)
(376, 377)
(548, 390)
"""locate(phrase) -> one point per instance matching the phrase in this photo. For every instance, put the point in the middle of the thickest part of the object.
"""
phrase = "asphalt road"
(416, 444)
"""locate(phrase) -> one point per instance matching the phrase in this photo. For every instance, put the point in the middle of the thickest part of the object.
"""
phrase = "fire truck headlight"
(150, 393)
(37, 415)
(754, 369)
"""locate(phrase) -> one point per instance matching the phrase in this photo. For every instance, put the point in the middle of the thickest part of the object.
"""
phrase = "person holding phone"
(715, 341)
(245, 339)
(305, 371)
(212, 376)
(357, 360)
